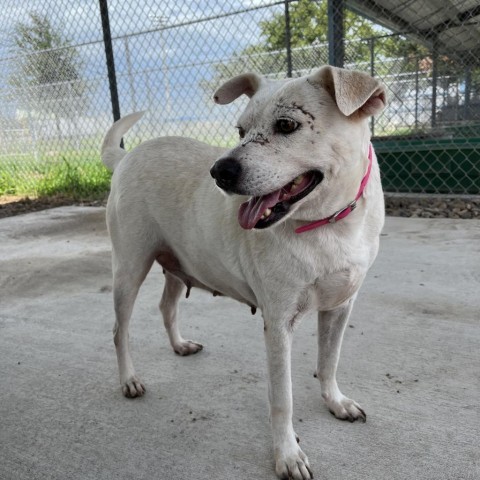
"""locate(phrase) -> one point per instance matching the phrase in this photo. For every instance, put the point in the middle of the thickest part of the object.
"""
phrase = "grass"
(64, 171)
(78, 175)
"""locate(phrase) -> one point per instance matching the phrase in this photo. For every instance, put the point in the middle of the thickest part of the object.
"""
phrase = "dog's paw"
(346, 409)
(187, 347)
(133, 387)
(293, 464)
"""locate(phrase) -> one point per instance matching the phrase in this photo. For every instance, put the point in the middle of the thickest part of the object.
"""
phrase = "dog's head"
(303, 143)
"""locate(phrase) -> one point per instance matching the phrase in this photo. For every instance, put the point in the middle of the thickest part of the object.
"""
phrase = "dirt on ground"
(396, 205)
(15, 205)
(432, 206)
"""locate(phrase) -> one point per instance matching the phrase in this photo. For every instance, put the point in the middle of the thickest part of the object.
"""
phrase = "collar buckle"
(352, 206)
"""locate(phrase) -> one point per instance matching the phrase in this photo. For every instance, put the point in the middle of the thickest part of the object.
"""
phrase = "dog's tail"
(111, 152)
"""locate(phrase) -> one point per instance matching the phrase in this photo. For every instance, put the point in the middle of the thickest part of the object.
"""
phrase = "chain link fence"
(168, 58)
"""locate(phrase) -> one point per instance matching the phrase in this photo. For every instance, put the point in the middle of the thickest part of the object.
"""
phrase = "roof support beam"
(336, 37)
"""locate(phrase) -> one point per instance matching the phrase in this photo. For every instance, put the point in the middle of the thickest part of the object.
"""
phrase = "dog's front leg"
(290, 461)
(331, 327)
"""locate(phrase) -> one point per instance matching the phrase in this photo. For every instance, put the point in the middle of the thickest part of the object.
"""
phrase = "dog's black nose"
(226, 172)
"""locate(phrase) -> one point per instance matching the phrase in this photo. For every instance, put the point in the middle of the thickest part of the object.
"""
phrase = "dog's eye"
(241, 132)
(285, 125)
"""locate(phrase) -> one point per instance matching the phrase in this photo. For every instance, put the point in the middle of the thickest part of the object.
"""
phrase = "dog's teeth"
(298, 180)
(266, 214)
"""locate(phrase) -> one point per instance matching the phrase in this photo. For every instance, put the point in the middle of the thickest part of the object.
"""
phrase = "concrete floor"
(410, 358)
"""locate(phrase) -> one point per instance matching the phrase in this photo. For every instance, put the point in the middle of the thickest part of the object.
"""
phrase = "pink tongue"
(251, 212)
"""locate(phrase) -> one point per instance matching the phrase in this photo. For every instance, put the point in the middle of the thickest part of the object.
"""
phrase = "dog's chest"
(334, 273)
(331, 289)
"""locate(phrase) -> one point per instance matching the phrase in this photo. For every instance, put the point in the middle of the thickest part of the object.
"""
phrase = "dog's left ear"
(247, 83)
(353, 91)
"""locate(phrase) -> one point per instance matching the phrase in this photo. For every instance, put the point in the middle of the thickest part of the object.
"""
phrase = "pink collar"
(349, 208)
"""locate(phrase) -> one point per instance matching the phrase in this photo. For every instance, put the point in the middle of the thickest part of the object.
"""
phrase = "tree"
(47, 74)
(308, 40)
(309, 24)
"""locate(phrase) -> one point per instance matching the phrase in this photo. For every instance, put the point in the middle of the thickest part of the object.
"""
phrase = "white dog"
(297, 233)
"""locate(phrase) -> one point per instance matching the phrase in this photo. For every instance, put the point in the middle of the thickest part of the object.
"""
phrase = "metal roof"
(452, 25)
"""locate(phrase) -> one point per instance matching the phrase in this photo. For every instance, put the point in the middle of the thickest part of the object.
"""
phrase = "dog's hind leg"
(331, 327)
(172, 292)
(128, 274)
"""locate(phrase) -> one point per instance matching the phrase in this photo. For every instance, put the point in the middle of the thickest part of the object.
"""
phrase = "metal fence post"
(336, 46)
(434, 82)
(417, 83)
(468, 91)
(131, 83)
(107, 41)
(288, 40)
(372, 73)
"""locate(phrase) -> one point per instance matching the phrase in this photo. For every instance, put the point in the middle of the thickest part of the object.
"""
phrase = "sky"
(185, 50)
(162, 71)
(80, 20)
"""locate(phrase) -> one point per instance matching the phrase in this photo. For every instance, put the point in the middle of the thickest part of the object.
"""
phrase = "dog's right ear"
(247, 83)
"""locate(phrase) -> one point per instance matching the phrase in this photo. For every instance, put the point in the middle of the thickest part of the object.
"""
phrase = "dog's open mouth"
(261, 212)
